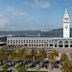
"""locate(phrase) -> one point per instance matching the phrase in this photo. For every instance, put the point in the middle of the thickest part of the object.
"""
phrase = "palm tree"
(52, 57)
(14, 56)
(23, 53)
(33, 54)
(66, 66)
(44, 53)
(65, 63)
(64, 57)
(3, 55)
(40, 57)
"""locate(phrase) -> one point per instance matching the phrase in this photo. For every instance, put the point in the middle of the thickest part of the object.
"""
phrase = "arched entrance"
(55, 44)
(60, 43)
(66, 44)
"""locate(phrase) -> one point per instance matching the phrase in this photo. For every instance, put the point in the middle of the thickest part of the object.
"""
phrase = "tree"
(66, 66)
(21, 68)
(71, 54)
(65, 63)
(64, 57)
(44, 53)
(33, 55)
(5, 68)
(23, 53)
(14, 56)
(3, 55)
(40, 57)
(52, 57)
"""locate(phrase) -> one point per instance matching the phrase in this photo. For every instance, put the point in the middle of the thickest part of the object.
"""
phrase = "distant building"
(39, 41)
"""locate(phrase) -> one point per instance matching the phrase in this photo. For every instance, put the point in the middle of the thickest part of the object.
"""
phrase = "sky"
(33, 14)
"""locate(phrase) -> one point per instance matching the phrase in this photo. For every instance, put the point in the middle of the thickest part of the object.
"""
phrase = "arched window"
(60, 43)
(66, 43)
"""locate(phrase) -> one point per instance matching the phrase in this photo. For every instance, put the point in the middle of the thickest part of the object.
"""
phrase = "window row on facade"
(27, 41)
(41, 42)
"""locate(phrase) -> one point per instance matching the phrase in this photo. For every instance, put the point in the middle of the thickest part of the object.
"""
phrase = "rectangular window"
(29, 41)
(8, 41)
(37, 41)
(11, 41)
(47, 40)
(42, 41)
(34, 41)
(24, 41)
(19, 41)
(16, 41)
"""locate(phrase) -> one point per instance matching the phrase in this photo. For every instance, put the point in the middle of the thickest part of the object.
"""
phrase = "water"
(51, 33)
(32, 33)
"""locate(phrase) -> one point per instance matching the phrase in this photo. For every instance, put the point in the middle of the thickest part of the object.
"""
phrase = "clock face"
(66, 27)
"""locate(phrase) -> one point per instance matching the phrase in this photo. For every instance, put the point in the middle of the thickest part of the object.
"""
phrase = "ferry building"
(39, 41)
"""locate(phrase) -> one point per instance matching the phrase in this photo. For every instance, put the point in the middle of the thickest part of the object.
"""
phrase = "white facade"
(66, 25)
(41, 42)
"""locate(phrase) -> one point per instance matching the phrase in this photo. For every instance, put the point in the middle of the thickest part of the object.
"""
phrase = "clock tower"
(66, 24)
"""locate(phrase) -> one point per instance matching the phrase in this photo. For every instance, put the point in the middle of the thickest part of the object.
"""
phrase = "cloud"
(15, 12)
(9, 9)
(3, 21)
(38, 3)
(41, 5)
(19, 13)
